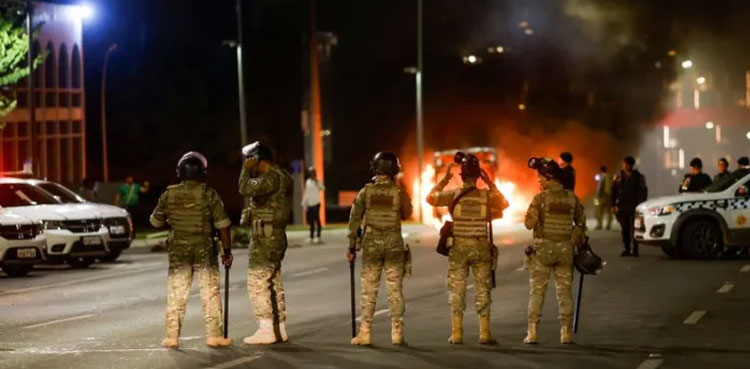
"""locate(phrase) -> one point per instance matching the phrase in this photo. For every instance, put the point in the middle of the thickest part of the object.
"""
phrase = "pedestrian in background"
(628, 190)
(723, 166)
(568, 175)
(311, 204)
(603, 197)
(696, 180)
(128, 198)
(743, 163)
(88, 190)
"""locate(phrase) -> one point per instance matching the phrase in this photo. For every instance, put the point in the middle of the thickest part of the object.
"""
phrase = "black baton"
(354, 309)
(576, 317)
(226, 302)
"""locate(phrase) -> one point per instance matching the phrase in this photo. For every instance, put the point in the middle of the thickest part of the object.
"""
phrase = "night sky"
(173, 88)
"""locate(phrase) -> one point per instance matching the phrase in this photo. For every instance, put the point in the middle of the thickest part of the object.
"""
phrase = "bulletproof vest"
(274, 208)
(188, 210)
(557, 214)
(382, 206)
(470, 215)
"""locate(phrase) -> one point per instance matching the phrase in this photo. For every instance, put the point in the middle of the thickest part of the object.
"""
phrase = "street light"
(84, 11)
(472, 59)
(105, 162)
(748, 135)
(709, 125)
(687, 64)
(701, 80)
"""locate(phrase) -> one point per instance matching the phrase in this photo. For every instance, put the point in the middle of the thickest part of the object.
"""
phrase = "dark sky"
(173, 88)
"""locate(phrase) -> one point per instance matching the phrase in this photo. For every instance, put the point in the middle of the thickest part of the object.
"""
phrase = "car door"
(738, 215)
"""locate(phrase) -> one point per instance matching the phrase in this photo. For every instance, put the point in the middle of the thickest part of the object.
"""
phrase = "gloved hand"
(227, 258)
(351, 254)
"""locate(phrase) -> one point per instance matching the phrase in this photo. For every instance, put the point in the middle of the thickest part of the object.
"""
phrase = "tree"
(14, 48)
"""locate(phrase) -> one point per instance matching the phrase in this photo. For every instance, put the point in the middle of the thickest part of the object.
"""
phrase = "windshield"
(23, 194)
(728, 181)
(63, 193)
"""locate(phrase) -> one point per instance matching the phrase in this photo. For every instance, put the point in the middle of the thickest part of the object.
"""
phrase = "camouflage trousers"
(383, 250)
(264, 284)
(470, 254)
(180, 279)
(551, 258)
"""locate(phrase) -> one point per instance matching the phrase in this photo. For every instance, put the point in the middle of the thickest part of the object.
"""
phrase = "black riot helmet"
(385, 163)
(586, 261)
(258, 151)
(192, 165)
(546, 167)
(469, 165)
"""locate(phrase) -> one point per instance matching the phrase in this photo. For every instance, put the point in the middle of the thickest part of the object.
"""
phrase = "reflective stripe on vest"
(382, 206)
(188, 210)
(470, 215)
(559, 211)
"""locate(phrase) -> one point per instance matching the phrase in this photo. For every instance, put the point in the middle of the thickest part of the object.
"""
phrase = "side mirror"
(743, 191)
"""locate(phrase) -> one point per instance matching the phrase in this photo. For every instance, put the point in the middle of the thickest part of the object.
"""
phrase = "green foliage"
(14, 47)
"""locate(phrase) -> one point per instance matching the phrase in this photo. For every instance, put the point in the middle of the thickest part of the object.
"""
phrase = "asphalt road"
(650, 312)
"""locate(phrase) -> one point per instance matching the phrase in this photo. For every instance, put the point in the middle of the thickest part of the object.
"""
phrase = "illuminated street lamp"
(687, 64)
(472, 59)
(84, 11)
(105, 162)
(748, 135)
(709, 125)
(701, 80)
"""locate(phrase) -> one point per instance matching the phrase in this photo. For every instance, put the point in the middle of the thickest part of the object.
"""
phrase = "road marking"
(726, 287)
(309, 272)
(75, 281)
(520, 269)
(58, 321)
(379, 312)
(78, 352)
(694, 317)
(650, 364)
(235, 362)
(745, 268)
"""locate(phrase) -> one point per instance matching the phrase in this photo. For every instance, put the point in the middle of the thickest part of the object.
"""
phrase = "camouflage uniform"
(558, 221)
(269, 209)
(192, 210)
(381, 206)
(471, 249)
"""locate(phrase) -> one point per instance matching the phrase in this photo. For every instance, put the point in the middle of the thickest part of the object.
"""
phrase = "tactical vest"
(470, 215)
(382, 207)
(188, 210)
(274, 208)
(558, 213)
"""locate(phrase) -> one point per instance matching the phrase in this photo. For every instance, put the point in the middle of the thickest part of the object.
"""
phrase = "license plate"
(89, 241)
(638, 222)
(117, 229)
(26, 253)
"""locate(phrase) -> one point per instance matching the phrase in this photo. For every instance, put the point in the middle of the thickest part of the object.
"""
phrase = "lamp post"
(420, 112)
(105, 160)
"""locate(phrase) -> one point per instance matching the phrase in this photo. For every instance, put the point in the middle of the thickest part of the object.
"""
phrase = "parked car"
(117, 220)
(699, 225)
(21, 243)
(73, 235)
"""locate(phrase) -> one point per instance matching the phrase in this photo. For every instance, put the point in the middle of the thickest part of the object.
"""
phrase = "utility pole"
(316, 132)
(240, 77)
(31, 97)
(420, 117)
(105, 160)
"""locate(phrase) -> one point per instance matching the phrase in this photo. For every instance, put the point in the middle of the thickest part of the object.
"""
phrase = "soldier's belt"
(382, 229)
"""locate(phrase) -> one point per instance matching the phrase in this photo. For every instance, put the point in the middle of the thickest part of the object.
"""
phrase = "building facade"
(46, 133)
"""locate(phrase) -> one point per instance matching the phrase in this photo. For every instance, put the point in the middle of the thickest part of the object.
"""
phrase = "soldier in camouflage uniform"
(471, 247)
(269, 189)
(192, 210)
(559, 225)
(379, 208)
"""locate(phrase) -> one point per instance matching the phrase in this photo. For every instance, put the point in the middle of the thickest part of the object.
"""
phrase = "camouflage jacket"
(381, 205)
(270, 196)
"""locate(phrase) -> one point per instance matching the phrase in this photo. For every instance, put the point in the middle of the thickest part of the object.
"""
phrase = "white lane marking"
(520, 269)
(74, 281)
(650, 364)
(379, 312)
(726, 287)
(694, 317)
(78, 352)
(235, 362)
(745, 268)
(309, 272)
(58, 321)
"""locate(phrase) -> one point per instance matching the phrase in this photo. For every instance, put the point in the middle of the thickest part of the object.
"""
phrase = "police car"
(698, 225)
(21, 243)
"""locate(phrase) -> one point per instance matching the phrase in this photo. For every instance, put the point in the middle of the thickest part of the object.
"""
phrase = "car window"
(22, 194)
(65, 195)
(743, 190)
(728, 181)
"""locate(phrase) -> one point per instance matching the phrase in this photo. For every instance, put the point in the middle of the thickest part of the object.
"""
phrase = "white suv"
(21, 243)
(698, 225)
(73, 235)
(116, 219)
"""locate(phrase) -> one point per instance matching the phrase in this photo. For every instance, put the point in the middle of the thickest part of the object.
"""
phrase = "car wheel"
(673, 252)
(701, 239)
(111, 256)
(80, 263)
(17, 270)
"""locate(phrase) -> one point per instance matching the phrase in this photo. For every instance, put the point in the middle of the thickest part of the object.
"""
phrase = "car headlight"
(52, 224)
(661, 210)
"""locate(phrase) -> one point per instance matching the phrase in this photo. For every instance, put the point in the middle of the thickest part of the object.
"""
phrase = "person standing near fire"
(311, 203)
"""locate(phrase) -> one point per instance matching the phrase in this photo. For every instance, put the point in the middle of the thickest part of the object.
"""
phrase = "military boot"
(457, 330)
(264, 335)
(566, 334)
(363, 338)
(216, 342)
(282, 332)
(531, 334)
(485, 335)
(397, 332)
(170, 343)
